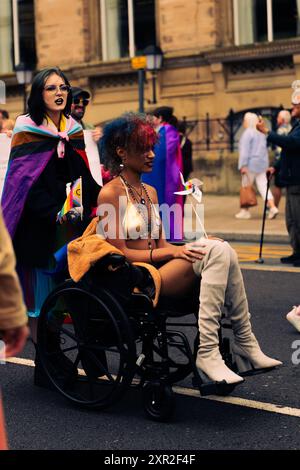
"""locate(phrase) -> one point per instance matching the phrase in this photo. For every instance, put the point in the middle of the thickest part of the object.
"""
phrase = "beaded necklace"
(142, 201)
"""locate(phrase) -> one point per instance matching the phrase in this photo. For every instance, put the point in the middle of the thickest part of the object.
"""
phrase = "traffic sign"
(139, 62)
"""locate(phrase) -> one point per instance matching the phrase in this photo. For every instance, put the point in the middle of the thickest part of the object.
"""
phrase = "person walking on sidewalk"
(13, 318)
(290, 174)
(284, 127)
(253, 163)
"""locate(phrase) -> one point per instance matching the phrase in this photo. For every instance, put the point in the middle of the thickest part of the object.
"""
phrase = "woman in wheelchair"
(127, 149)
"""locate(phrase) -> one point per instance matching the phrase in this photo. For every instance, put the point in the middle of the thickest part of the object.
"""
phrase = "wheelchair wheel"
(90, 361)
(158, 401)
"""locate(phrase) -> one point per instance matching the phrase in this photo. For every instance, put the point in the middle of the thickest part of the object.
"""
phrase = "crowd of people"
(49, 138)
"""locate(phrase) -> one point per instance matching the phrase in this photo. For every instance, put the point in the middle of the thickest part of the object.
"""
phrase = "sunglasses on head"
(85, 102)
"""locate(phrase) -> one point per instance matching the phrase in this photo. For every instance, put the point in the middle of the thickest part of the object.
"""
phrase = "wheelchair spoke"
(71, 348)
(91, 360)
(96, 361)
(103, 348)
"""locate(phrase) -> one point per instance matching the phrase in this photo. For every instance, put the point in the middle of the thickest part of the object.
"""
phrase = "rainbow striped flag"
(74, 198)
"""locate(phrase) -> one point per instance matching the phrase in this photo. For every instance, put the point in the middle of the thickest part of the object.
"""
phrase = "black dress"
(38, 235)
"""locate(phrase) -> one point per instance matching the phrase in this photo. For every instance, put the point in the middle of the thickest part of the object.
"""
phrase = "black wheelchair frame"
(115, 339)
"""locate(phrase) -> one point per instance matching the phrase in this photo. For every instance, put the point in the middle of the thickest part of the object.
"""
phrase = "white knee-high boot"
(214, 270)
(245, 344)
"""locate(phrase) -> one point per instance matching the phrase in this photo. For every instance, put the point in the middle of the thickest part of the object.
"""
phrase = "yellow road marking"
(249, 253)
(258, 405)
(284, 410)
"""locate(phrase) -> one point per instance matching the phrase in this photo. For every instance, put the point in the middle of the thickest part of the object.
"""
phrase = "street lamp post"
(24, 77)
(154, 58)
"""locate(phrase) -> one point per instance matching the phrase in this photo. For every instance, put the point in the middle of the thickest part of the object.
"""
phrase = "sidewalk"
(219, 220)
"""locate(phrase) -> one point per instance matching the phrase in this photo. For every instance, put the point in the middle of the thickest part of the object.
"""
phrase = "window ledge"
(255, 51)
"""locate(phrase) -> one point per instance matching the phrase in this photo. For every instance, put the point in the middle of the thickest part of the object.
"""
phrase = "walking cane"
(260, 260)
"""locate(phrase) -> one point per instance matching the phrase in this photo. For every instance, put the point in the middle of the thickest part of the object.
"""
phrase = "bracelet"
(151, 259)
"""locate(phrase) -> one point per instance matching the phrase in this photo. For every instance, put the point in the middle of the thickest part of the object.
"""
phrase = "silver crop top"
(134, 224)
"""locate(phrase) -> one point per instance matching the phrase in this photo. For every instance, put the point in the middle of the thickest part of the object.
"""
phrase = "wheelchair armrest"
(112, 262)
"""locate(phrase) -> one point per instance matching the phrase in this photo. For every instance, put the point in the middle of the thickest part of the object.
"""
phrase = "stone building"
(218, 55)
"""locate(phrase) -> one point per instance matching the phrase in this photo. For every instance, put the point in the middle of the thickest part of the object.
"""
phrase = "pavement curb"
(246, 237)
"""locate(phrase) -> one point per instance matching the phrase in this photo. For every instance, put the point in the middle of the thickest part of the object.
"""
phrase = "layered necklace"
(136, 196)
(139, 199)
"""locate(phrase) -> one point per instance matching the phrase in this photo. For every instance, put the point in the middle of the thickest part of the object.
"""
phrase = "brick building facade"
(218, 55)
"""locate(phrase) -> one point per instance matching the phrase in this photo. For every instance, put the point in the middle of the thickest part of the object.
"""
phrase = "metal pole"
(141, 79)
(207, 132)
(154, 87)
(231, 130)
(25, 99)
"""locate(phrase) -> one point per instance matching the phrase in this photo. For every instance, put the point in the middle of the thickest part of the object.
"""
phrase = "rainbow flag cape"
(31, 149)
(74, 198)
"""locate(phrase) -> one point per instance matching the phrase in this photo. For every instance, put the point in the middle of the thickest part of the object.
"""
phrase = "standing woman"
(47, 152)
(167, 166)
(253, 163)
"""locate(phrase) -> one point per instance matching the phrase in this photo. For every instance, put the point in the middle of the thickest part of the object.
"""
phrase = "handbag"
(247, 194)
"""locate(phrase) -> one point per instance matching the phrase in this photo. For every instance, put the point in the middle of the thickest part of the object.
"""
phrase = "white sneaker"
(294, 317)
(243, 214)
(273, 212)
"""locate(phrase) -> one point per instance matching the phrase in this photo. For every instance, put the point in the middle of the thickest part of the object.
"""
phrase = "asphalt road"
(41, 419)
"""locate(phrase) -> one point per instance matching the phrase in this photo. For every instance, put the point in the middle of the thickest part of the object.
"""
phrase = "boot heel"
(242, 364)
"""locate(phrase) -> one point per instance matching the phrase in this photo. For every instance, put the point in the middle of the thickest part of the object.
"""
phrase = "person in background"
(47, 153)
(13, 318)
(253, 163)
(284, 127)
(289, 173)
(3, 115)
(80, 100)
(294, 317)
(8, 126)
(186, 150)
(167, 165)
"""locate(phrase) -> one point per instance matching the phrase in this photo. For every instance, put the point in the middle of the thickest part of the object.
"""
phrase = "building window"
(265, 20)
(17, 35)
(27, 32)
(127, 27)
(6, 43)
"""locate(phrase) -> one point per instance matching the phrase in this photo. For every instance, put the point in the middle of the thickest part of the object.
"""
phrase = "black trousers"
(292, 216)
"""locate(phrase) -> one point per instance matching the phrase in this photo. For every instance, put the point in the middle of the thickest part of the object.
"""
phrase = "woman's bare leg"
(177, 278)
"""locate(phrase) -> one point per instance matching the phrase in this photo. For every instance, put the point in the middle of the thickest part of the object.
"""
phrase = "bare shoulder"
(152, 193)
(110, 191)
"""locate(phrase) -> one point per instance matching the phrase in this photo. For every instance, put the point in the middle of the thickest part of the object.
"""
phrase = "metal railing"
(223, 133)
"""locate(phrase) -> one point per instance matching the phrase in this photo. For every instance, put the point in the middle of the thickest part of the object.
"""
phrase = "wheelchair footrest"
(209, 387)
(213, 388)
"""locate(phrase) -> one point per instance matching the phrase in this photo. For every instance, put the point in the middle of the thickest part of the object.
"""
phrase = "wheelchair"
(99, 337)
